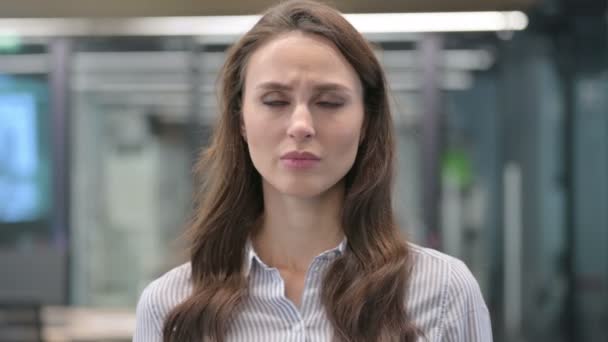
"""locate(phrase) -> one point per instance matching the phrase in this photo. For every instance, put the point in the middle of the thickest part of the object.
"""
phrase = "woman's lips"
(299, 164)
(299, 160)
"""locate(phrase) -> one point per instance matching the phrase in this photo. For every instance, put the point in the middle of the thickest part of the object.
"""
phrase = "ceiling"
(139, 8)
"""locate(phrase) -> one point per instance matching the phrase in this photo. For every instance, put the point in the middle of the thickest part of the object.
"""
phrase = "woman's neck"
(295, 230)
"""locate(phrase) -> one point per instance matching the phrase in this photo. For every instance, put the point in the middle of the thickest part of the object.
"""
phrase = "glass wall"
(33, 252)
(25, 154)
(131, 185)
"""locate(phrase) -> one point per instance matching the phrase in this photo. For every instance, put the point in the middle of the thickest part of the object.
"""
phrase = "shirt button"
(298, 327)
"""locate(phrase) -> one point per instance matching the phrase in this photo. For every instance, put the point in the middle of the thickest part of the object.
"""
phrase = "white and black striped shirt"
(444, 300)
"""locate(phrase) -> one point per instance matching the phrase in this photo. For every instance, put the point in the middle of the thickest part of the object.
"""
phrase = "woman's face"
(302, 97)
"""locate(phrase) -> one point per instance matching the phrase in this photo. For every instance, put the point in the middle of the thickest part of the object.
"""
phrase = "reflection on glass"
(19, 198)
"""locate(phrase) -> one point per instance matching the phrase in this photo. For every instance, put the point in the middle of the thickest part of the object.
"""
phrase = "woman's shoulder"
(443, 291)
(164, 293)
(440, 274)
(170, 288)
(433, 264)
(430, 262)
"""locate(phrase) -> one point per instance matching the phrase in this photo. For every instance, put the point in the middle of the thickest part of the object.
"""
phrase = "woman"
(294, 237)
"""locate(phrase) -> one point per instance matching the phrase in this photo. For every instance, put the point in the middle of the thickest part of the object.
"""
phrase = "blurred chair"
(20, 322)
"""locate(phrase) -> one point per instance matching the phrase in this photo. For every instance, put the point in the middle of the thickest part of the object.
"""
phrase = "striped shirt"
(444, 300)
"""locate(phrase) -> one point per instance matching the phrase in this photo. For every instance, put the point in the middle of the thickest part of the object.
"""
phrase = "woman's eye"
(329, 104)
(276, 103)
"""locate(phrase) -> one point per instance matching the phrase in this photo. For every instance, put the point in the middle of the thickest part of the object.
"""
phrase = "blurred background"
(502, 125)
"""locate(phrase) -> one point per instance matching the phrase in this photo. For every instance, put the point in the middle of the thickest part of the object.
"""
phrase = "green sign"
(9, 43)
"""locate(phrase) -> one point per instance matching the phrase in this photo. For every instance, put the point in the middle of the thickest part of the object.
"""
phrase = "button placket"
(311, 294)
(298, 331)
(298, 326)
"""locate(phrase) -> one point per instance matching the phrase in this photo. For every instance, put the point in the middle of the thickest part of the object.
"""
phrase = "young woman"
(294, 238)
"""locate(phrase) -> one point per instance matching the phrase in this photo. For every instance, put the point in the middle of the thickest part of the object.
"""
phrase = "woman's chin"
(302, 191)
(304, 188)
(307, 190)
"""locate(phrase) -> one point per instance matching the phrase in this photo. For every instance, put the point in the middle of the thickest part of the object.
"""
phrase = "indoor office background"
(502, 153)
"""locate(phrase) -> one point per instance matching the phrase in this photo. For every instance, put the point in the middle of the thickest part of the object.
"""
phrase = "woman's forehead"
(291, 57)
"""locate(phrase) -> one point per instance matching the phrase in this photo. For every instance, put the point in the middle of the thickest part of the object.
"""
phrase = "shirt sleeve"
(148, 321)
(466, 316)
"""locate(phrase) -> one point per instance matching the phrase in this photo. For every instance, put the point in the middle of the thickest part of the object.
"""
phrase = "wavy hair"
(364, 291)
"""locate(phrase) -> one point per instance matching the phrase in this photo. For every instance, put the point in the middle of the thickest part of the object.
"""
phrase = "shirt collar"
(251, 255)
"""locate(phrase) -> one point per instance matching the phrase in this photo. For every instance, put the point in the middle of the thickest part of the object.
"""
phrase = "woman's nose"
(301, 125)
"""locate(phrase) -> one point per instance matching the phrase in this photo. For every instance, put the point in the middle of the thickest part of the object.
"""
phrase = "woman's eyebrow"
(332, 87)
(273, 86)
(329, 86)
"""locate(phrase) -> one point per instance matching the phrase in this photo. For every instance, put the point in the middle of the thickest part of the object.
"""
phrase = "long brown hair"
(364, 290)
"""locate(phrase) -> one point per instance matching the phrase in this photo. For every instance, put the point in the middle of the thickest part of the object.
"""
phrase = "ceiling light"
(237, 25)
